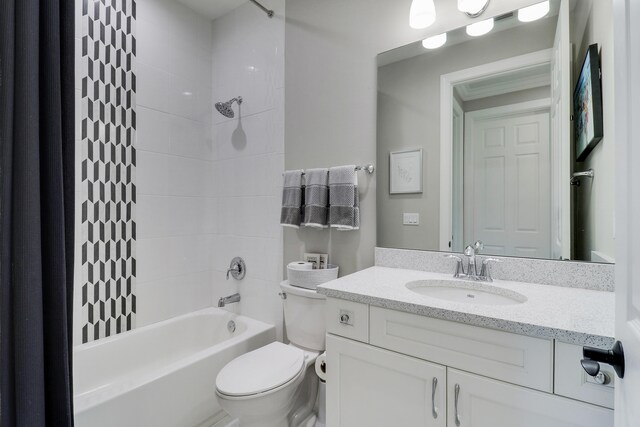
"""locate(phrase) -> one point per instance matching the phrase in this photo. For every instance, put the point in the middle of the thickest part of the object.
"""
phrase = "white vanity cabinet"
(372, 387)
(484, 402)
(391, 368)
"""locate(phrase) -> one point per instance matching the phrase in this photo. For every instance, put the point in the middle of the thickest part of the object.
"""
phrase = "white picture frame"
(405, 171)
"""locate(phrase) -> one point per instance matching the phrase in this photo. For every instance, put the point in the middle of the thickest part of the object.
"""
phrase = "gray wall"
(409, 117)
(330, 99)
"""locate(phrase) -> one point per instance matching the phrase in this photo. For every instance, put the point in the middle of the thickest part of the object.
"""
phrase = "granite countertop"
(572, 315)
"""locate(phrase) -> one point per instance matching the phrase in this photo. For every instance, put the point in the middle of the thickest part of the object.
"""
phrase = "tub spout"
(228, 300)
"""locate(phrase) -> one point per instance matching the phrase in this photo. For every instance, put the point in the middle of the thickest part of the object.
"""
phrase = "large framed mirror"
(497, 118)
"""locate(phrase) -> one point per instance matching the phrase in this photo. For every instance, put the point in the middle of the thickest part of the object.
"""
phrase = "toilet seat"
(261, 370)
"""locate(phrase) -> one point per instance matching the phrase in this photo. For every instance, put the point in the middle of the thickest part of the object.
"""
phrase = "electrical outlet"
(411, 219)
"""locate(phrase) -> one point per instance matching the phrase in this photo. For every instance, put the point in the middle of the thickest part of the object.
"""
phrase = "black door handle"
(594, 356)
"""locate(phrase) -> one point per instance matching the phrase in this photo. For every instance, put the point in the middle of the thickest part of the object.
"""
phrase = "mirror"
(480, 138)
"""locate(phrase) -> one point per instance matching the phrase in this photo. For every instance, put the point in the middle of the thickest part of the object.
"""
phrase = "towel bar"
(367, 168)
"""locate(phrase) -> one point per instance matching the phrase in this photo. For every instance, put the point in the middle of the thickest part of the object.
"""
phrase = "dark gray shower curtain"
(36, 212)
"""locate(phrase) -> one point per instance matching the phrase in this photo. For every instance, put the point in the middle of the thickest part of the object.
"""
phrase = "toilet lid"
(260, 370)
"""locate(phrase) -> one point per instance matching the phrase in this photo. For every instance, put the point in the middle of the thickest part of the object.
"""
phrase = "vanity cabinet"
(391, 368)
(372, 387)
(484, 402)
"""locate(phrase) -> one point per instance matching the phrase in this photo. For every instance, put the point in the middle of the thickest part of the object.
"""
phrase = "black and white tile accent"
(108, 156)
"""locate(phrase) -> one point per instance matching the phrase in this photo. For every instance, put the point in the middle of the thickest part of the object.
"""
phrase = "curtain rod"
(269, 12)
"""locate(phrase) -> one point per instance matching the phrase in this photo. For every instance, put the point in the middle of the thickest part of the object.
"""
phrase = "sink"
(467, 292)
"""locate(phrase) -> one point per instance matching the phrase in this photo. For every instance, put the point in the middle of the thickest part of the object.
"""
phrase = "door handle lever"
(594, 356)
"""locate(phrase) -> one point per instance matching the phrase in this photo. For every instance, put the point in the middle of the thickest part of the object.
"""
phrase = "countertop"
(571, 315)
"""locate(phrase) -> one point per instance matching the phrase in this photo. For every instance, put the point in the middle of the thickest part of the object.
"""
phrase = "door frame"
(457, 184)
(470, 118)
(627, 329)
(447, 83)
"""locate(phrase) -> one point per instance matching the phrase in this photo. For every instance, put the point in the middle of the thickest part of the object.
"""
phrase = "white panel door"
(627, 93)
(507, 190)
(482, 402)
(371, 387)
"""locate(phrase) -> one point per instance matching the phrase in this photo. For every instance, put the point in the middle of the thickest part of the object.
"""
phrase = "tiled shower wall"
(106, 160)
(248, 60)
(177, 205)
(208, 187)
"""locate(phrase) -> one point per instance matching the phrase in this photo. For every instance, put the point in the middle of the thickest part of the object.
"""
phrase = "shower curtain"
(36, 211)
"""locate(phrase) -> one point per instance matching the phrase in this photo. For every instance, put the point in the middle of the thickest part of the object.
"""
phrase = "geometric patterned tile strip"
(108, 155)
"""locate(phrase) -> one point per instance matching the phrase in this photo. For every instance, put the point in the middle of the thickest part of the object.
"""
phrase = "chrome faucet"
(470, 252)
(471, 270)
(228, 300)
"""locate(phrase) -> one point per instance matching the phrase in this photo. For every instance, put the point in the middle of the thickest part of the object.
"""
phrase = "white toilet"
(276, 385)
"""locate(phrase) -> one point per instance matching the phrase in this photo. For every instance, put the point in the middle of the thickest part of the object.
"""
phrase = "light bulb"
(533, 12)
(435, 42)
(480, 28)
(422, 13)
(471, 6)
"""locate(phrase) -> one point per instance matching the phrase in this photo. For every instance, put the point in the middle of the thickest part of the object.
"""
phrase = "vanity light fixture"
(473, 8)
(435, 42)
(533, 12)
(480, 28)
(422, 14)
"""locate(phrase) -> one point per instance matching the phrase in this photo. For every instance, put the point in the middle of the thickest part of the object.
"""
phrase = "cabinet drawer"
(473, 401)
(572, 381)
(505, 356)
(348, 319)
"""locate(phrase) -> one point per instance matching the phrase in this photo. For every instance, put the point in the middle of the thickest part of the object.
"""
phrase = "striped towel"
(344, 202)
(316, 198)
(291, 212)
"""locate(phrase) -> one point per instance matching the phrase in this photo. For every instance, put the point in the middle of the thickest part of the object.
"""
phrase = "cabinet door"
(482, 402)
(371, 387)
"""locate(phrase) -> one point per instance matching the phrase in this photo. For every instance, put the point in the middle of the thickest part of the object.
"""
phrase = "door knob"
(594, 356)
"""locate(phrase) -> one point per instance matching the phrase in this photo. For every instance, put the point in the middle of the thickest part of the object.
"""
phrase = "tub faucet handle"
(237, 268)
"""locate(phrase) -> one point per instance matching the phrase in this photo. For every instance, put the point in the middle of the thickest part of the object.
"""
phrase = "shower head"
(225, 107)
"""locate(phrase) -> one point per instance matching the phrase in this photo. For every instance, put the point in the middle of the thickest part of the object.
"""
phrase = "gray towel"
(292, 208)
(316, 198)
(344, 202)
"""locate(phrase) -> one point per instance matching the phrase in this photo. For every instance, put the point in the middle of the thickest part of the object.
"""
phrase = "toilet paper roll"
(321, 366)
(300, 265)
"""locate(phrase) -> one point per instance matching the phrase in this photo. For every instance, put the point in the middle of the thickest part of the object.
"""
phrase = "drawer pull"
(344, 319)
(456, 390)
(434, 385)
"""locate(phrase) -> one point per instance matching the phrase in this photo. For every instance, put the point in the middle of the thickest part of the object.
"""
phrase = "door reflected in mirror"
(497, 118)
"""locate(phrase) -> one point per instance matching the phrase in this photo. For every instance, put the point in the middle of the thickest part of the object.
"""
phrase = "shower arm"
(269, 12)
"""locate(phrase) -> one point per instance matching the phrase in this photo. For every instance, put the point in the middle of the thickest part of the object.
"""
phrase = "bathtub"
(162, 374)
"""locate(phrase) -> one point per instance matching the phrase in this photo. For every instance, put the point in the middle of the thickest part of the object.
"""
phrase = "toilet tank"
(304, 317)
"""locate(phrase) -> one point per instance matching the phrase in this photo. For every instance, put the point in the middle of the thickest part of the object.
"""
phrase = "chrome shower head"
(225, 107)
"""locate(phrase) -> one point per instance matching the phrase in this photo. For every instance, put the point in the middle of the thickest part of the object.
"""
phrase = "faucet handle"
(459, 266)
(485, 273)
(478, 246)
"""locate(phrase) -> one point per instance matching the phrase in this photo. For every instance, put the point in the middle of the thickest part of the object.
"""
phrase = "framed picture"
(405, 172)
(587, 105)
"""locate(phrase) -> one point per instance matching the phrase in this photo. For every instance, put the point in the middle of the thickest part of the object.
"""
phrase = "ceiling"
(212, 8)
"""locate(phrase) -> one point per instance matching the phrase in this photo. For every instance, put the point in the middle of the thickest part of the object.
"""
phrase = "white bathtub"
(162, 374)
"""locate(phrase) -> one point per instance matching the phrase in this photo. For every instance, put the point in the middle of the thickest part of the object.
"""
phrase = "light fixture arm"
(478, 13)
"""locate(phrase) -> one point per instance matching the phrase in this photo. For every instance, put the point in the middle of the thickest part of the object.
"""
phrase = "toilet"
(276, 385)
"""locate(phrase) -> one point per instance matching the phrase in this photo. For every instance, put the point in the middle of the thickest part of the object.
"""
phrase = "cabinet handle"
(455, 404)
(434, 385)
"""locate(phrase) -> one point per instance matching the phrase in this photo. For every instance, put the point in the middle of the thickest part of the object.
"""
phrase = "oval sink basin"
(467, 292)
